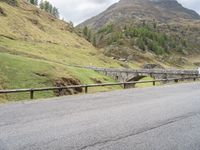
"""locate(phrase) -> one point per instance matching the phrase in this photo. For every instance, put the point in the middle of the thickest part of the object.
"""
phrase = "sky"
(78, 11)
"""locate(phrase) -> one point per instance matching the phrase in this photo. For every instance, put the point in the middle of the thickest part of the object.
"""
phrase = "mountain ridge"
(160, 10)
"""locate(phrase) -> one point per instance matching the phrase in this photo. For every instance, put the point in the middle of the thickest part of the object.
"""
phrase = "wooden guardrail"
(124, 84)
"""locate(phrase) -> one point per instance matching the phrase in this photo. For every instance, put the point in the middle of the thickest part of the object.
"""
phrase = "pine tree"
(36, 2)
(55, 12)
(71, 24)
(141, 44)
(85, 31)
(94, 42)
(89, 35)
(41, 4)
(31, 1)
(48, 7)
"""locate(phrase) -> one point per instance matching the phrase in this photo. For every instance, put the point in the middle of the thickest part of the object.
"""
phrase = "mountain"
(126, 11)
(38, 50)
(133, 29)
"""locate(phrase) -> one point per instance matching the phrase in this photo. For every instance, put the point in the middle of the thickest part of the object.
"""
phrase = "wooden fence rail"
(124, 84)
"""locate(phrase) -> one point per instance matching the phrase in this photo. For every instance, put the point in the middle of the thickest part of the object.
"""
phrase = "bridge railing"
(152, 71)
(85, 87)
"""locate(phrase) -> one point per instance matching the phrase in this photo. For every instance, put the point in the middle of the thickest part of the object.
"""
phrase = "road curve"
(157, 118)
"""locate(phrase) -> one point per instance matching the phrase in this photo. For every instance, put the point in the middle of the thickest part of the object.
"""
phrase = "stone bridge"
(127, 75)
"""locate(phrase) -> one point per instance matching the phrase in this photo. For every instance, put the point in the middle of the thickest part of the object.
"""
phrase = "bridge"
(128, 75)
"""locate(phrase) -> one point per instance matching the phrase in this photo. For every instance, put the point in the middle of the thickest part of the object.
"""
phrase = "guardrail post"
(86, 89)
(31, 94)
(154, 83)
(124, 85)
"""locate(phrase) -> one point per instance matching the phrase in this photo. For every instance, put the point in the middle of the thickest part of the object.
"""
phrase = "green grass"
(143, 85)
(21, 72)
(22, 61)
(57, 53)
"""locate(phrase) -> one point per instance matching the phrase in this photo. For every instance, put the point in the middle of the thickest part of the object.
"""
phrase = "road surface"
(157, 118)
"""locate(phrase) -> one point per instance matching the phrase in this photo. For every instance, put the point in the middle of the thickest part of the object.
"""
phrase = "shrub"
(107, 29)
(141, 44)
(11, 2)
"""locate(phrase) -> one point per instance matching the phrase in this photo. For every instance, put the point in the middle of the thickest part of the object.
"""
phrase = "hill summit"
(128, 10)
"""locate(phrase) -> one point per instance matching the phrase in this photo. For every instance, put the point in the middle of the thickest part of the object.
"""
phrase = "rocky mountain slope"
(128, 11)
(131, 29)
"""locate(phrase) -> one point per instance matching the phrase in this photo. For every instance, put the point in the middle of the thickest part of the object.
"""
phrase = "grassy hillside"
(37, 50)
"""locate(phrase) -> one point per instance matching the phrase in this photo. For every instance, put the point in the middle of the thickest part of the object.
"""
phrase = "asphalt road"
(157, 118)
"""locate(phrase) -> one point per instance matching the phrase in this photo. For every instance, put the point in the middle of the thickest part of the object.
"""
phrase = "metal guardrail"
(124, 84)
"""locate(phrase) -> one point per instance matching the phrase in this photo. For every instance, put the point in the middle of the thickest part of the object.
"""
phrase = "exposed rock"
(122, 59)
(67, 82)
(96, 80)
(152, 66)
(183, 60)
(2, 13)
(124, 65)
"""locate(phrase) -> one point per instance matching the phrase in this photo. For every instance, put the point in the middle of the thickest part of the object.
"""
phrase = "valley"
(39, 50)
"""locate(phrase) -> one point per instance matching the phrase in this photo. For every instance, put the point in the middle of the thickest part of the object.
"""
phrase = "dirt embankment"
(67, 82)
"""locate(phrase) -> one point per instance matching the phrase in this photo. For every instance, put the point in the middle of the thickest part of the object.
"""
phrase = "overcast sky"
(80, 10)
